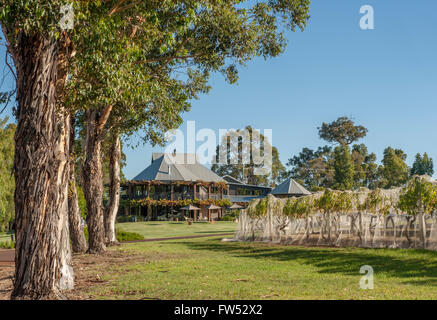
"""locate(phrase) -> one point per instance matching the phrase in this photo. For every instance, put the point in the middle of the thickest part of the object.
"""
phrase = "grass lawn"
(207, 268)
(166, 229)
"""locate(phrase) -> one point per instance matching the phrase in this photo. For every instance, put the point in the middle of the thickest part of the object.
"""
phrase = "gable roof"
(232, 180)
(290, 187)
(177, 167)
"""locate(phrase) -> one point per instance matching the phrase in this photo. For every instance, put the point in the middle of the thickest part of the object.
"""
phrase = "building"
(242, 193)
(175, 181)
(290, 188)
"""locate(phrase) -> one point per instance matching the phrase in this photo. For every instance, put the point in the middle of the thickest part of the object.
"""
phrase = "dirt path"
(182, 237)
(7, 257)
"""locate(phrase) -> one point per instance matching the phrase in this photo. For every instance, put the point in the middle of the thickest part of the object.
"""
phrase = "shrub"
(121, 235)
(7, 245)
(128, 236)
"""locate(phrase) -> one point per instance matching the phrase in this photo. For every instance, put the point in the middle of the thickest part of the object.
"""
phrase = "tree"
(235, 167)
(365, 167)
(204, 36)
(311, 167)
(395, 171)
(6, 180)
(422, 165)
(343, 168)
(342, 131)
(419, 198)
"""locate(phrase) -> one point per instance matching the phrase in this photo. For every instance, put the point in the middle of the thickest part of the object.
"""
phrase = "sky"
(385, 79)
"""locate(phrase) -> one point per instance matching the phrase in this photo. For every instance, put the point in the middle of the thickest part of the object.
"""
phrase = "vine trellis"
(395, 218)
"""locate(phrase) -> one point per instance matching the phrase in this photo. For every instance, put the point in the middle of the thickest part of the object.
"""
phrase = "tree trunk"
(114, 190)
(78, 241)
(92, 181)
(42, 255)
(422, 223)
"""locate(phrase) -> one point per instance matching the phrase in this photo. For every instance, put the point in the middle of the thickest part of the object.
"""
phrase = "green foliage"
(128, 236)
(377, 203)
(395, 171)
(259, 210)
(121, 235)
(343, 202)
(365, 167)
(312, 168)
(422, 165)
(246, 171)
(7, 184)
(299, 207)
(327, 202)
(419, 196)
(81, 201)
(231, 216)
(338, 168)
(7, 245)
(148, 60)
(343, 168)
(342, 131)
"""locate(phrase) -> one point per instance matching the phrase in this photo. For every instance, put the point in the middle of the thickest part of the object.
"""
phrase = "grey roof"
(235, 207)
(232, 180)
(177, 167)
(290, 187)
(213, 207)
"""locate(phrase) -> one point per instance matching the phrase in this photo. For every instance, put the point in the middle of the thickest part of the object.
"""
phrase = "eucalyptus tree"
(40, 53)
(235, 154)
(419, 199)
(342, 131)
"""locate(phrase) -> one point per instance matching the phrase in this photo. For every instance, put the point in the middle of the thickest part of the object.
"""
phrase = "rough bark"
(41, 170)
(77, 236)
(114, 190)
(92, 182)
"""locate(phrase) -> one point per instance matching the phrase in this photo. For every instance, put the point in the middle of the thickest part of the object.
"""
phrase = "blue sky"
(385, 79)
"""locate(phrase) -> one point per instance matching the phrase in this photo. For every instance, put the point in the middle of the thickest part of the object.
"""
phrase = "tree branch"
(104, 117)
(118, 9)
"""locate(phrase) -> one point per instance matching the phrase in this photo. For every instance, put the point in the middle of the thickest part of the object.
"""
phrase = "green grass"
(166, 229)
(5, 237)
(207, 268)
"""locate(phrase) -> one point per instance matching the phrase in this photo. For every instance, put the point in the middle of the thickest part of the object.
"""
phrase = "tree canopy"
(235, 166)
(423, 165)
(342, 131)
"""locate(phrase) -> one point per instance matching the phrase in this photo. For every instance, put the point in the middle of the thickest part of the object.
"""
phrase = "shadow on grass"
(398, 263)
